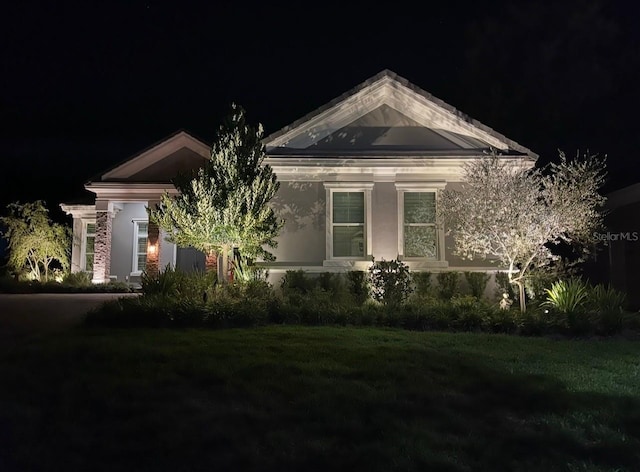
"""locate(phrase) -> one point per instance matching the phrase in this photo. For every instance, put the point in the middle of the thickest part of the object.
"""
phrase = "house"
(359, 178)
(618, 261)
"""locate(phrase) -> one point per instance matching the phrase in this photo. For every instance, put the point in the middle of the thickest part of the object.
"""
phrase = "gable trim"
(156, 153)
(398, 93)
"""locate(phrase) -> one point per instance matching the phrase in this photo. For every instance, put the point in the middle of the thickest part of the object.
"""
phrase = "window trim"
(83, 243)
(420, 187)
(363, 187)
(134, 256)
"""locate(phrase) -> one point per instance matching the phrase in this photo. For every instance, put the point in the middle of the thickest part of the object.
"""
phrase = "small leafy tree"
(224, 207)
(390, 282)
(517, 215)
(34, 241)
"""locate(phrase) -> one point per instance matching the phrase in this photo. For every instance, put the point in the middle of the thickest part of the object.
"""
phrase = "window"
(348, 219)
(420, 238)
(348, 224)
(140, 235)
(89, 246)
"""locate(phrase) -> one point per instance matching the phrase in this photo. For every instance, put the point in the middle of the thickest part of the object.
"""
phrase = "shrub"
(504, 286)
(447, 284)
(422, 282)
(606, 299)
(608, 306)
(477, 282)
(390, 281)
(296, 281)
(246, 271)
(77, 279)
(537, 283)
(568, 297)
(195, 286)
(166, 282)
(357, 286)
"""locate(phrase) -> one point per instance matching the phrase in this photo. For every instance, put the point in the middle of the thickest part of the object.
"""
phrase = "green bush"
(11, 285)
(296, 281)
(313, 301)
(568, 297)
(167, 282)
(537, 284)
(77, 279)
(194, 286)
(447, 284)
(390, 282)
(607, 306)
(504, 286)
(358, 286)
(606, 299)
(423, 284)
(477, 282)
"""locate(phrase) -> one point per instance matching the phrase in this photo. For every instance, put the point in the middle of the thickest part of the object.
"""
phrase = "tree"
(34, 241)
(518, 215)
(224, 206)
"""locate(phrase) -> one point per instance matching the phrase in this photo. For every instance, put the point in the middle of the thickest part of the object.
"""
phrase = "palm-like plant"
(568, 297)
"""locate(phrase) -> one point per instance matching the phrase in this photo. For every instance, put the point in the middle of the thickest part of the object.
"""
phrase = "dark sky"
(86, 84)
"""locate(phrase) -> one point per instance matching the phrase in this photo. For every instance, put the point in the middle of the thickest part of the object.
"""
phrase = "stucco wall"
(122, 241)
(167, 252)
(302, 206)
(122, 238)
(384, 221)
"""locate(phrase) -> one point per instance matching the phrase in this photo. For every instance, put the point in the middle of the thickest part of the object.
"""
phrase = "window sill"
(355, 264)
(417, 263)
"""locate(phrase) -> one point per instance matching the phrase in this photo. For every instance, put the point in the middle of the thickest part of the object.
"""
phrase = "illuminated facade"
(359, 179)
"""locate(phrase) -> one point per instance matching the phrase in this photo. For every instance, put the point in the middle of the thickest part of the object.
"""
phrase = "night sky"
(87, 84)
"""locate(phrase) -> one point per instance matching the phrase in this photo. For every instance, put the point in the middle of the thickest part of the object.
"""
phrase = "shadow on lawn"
(182, 403)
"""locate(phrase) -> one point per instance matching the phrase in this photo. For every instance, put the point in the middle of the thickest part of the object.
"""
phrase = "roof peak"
(277, 138)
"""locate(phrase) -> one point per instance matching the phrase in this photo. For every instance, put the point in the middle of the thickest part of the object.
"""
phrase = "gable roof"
(365, 119)
(181, 143)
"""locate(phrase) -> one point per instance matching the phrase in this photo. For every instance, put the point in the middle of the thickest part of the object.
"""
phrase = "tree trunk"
(223, 262)
(521, 292)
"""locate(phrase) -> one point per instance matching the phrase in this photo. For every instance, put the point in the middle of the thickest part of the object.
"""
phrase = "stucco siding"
(302, 206)
(384, 224)
(167, 252)
(122, 238)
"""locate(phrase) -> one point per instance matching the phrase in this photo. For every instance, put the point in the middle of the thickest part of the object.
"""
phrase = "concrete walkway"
(26, 314)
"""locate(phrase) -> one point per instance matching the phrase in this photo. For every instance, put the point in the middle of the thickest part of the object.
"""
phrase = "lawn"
(299, 398)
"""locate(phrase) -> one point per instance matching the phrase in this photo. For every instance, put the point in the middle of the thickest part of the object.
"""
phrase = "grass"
(298, 398)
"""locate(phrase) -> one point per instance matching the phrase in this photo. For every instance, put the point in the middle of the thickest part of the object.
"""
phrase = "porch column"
(153, 244)
(76, 245)
(102, 254)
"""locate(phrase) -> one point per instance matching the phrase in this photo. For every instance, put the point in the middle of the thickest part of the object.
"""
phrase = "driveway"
(39, 313)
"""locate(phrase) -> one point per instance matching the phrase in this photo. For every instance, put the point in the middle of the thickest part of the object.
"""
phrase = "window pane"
(89, 247)
(348, 207)
(419, 207)
(348, 241)
(142, 262)
(420, 241)
(91, 228)
(88, 265)
(142, 245)
(142, 229)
